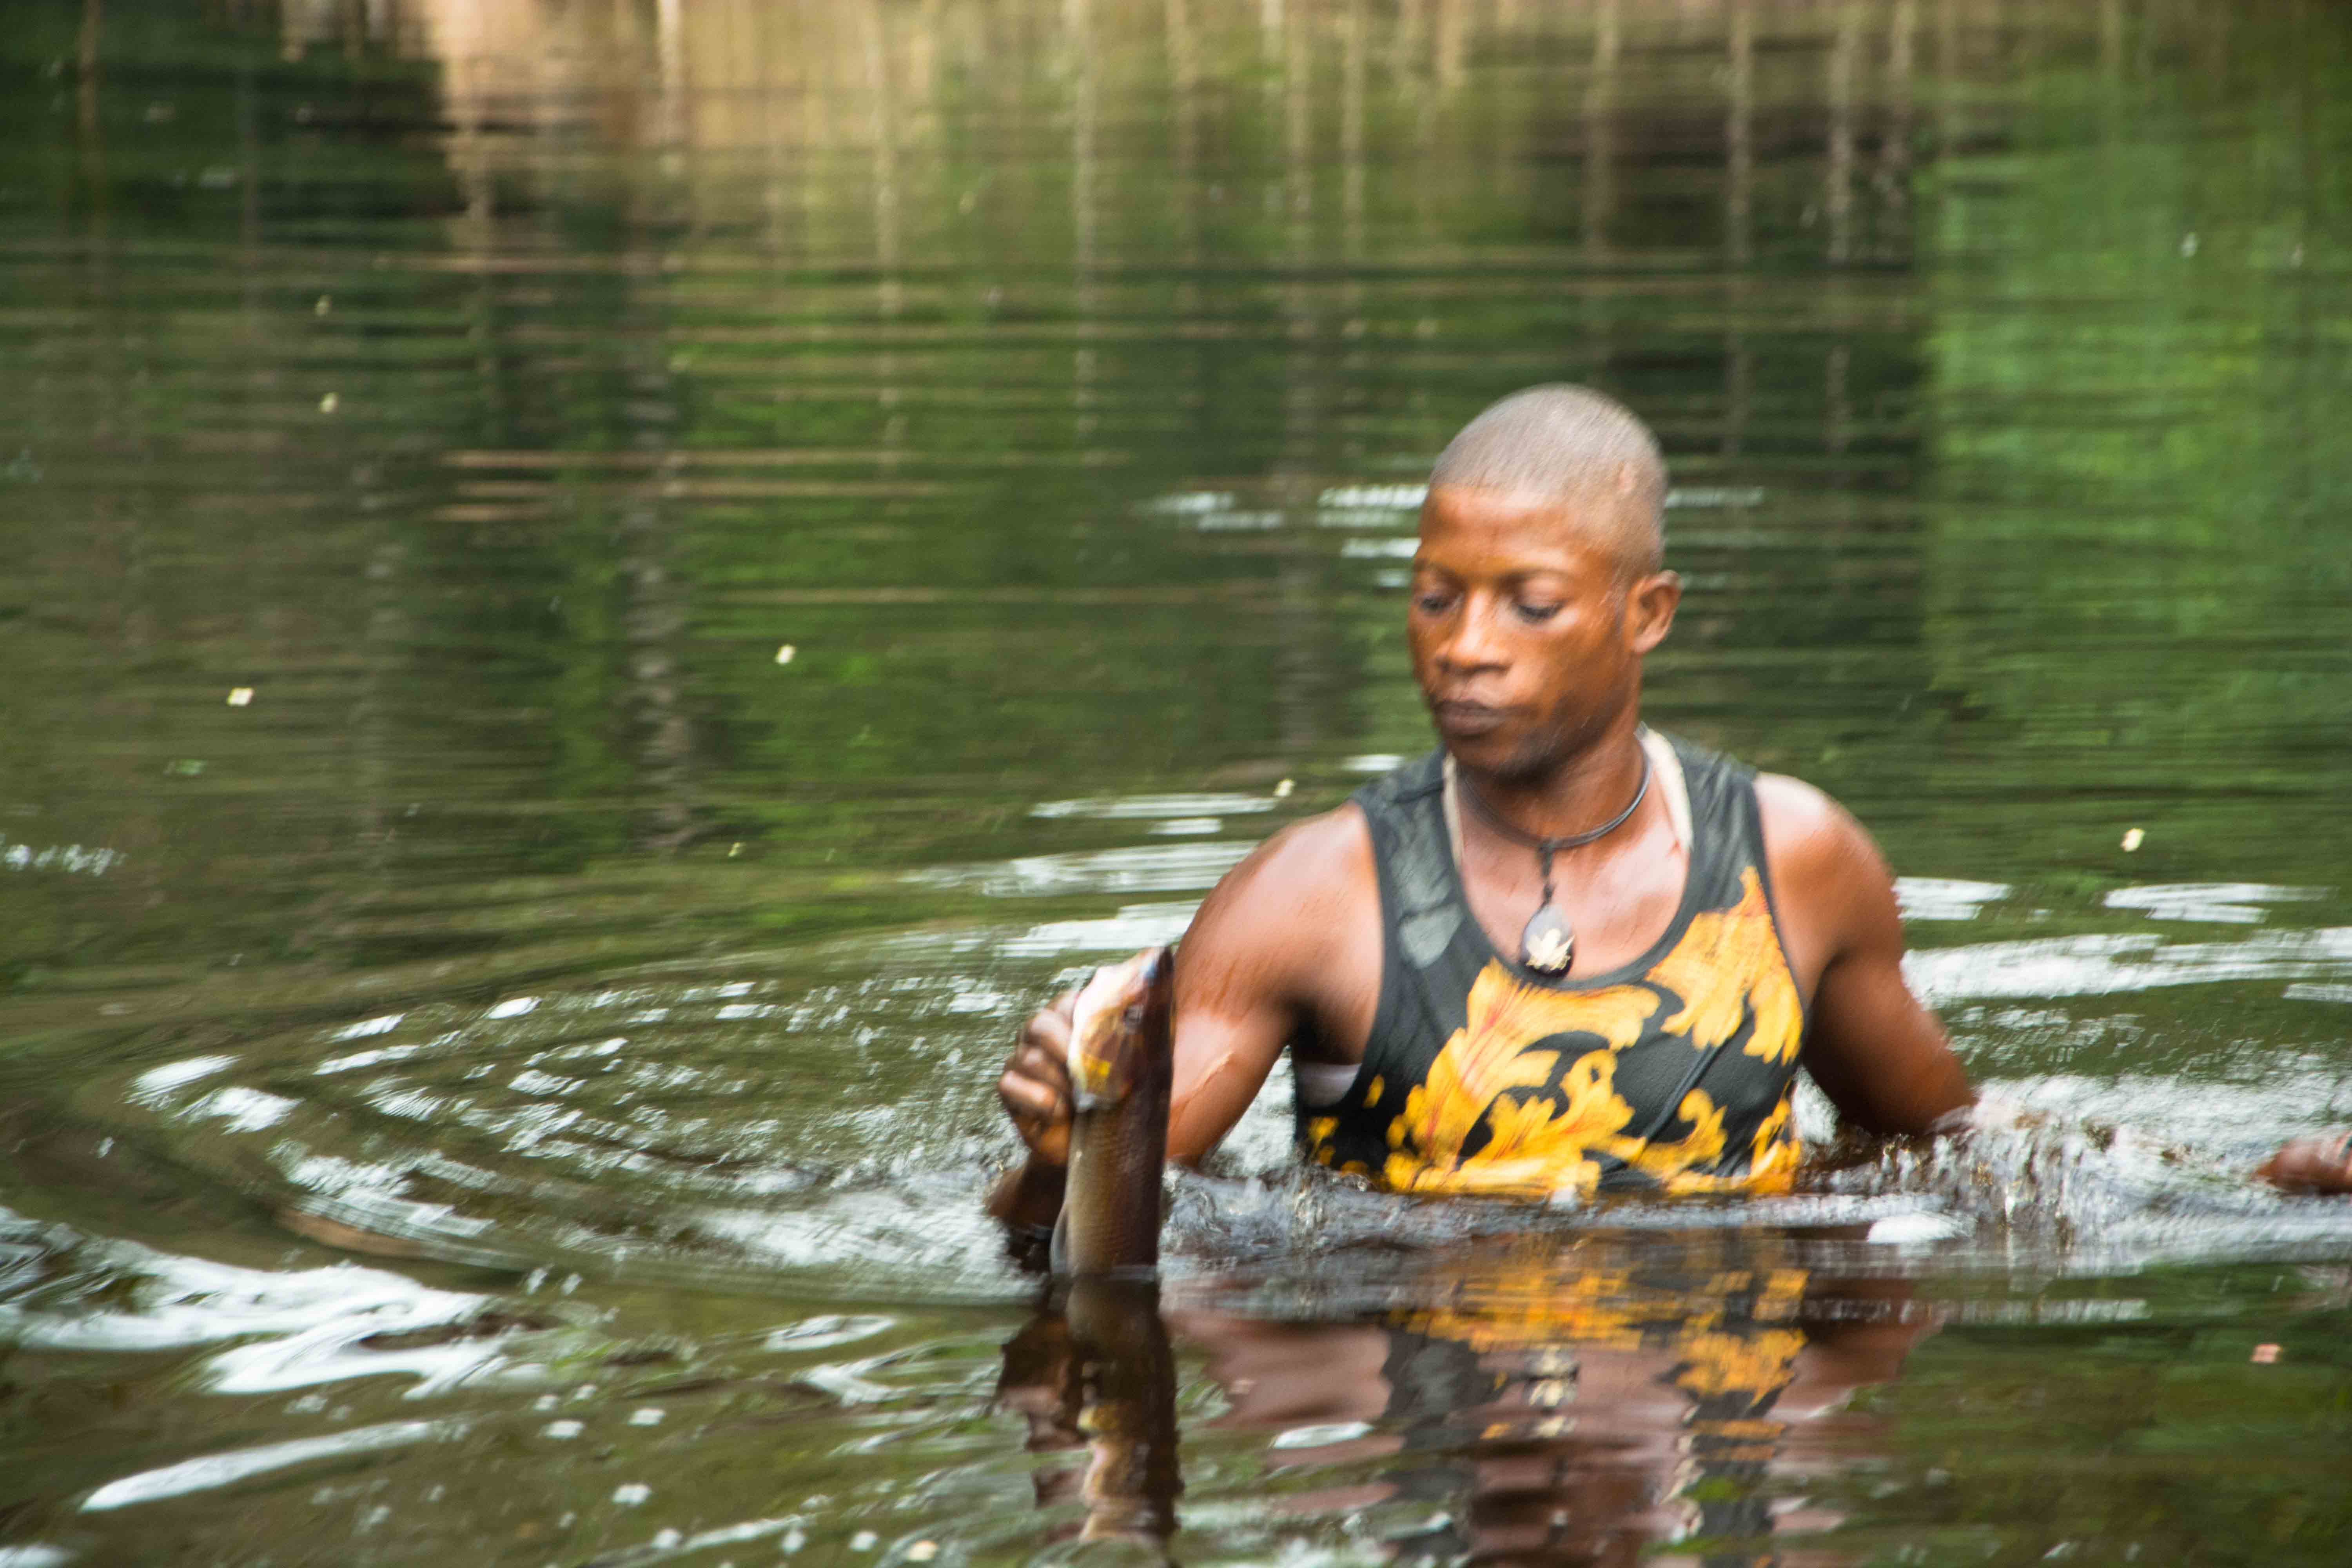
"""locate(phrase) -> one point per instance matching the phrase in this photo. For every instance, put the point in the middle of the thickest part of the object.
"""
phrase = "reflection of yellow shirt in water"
(1481, 1076)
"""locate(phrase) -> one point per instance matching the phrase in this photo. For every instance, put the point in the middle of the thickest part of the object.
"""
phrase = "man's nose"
(1473, 641)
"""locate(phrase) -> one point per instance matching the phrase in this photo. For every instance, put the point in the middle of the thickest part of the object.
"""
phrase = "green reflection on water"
(496, 390)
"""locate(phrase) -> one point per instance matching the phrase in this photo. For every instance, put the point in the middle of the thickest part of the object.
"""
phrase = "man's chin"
(1496, 754)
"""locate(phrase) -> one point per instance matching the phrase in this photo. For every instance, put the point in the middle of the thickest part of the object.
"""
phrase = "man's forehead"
(1587, 516)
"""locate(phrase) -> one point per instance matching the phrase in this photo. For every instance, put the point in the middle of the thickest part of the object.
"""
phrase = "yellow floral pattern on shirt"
(1545, 1135)
(1728, 964)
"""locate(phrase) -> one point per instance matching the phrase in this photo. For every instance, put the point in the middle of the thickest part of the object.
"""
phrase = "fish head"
(1120, 1027)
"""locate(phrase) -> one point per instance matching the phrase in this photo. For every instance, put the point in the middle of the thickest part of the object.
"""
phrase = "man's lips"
(1460, 716)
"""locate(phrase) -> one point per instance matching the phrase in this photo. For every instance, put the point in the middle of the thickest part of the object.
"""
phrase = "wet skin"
(1527, 636)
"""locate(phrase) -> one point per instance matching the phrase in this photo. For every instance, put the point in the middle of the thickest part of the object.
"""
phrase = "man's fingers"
(1048, 1028)
(1035, 1085)
(1024, 1096)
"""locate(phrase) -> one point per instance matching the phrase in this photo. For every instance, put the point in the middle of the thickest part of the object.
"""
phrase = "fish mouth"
(1106, 1028)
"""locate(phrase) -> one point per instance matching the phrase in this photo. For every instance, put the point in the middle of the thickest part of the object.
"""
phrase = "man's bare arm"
(1879, 1055)
(2322, 1163)
(1245, 974)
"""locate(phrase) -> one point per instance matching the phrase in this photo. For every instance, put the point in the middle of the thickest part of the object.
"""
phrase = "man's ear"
(1649, 608)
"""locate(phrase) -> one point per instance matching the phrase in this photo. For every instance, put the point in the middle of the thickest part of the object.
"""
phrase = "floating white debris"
(1193, 502)
(1153, 868)
(826, 1331)
(240, 697)
(328, 404)
(2102, 965)
(1137, 925)
(1386, 497)
(1912, 1229)
(323, 306)
(62, 857)
(1708, 499)
(1945, 898)
(155, 1082)
(35, 1555)
(243, 1110)
(2133, 838)
(2228, 904)
(216, 1470)
(1118, 807)
(1320, 1435)
(1282, 791)
(785, 654)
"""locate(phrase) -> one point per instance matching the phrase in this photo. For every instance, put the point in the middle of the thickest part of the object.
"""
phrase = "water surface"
(601, 599)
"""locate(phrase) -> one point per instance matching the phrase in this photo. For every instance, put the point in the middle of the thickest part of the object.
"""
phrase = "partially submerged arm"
(1251, 972)
(2318, 1164)
(1879, 1055)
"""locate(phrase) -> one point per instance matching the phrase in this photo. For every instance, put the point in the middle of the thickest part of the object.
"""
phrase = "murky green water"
(599, 598)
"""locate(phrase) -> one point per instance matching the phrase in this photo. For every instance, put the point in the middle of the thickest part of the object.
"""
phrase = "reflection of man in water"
(1562, 952)
(1555, 1398)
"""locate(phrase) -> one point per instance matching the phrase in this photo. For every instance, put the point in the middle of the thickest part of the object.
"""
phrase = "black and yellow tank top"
(1674, 1072)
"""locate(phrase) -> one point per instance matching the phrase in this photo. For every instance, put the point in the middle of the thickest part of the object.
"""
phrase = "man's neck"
(1573, 794)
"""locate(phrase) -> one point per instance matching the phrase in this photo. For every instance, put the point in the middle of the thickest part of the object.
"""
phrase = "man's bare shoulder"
(1807, 833)
(1287, 947)
(1832, 887)
(1302, 869)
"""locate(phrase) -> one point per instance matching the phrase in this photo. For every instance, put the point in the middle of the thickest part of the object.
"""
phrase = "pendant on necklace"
(1548, 943)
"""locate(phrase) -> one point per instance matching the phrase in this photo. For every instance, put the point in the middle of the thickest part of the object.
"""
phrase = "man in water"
(1563, 951)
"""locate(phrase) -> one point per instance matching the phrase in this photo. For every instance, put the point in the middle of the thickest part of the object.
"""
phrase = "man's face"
(1527, 634)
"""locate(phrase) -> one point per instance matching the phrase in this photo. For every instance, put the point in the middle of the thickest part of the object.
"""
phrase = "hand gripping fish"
(1120, 1059)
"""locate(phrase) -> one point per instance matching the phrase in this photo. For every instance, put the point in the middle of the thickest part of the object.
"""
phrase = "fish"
(1121, 1065)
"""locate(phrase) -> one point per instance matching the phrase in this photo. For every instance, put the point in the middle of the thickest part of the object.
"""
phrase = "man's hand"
(1036, 1087)
(2320, 1164)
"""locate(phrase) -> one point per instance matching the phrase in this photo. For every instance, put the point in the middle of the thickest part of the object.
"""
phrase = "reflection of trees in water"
(880, 300)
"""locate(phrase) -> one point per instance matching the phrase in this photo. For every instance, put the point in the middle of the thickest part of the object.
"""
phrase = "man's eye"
(1528, 612)
(1432, 601)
